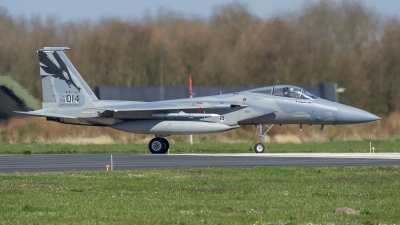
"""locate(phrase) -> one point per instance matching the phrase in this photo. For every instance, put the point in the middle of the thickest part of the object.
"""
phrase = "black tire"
(166, 143)
(158, 146)
(259, 148)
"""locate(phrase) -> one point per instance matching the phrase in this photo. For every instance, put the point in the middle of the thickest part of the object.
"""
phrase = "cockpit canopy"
(285, 91)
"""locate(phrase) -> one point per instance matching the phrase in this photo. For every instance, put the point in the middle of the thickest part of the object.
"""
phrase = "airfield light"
(371, 148)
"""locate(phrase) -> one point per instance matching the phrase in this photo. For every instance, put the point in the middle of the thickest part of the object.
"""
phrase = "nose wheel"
(158, 145)
(259, 147)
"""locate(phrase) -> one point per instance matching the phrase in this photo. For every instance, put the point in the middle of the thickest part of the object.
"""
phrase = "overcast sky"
(96, 9)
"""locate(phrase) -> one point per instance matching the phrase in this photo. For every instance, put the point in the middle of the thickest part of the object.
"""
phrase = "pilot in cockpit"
(285, 93)
(291, 93)
(288, 92)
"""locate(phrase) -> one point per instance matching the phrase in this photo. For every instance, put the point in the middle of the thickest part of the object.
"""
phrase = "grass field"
(178, 148)
(202, 196)
(260, 195)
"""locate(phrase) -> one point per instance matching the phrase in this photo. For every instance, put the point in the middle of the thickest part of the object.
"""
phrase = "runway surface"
(89, 162)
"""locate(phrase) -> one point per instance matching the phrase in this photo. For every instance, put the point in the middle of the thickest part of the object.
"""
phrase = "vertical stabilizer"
(63, 87)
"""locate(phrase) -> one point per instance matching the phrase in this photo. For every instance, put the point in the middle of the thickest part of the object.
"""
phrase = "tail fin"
(63, 87)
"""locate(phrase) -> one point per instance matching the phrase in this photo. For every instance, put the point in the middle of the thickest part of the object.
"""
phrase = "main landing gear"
(158, 145)
(259, 147)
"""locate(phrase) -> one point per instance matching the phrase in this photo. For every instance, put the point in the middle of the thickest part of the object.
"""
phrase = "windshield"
(308, 95)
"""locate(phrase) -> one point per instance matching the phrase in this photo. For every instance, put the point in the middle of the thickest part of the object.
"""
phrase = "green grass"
(179, 148)
(202, 196)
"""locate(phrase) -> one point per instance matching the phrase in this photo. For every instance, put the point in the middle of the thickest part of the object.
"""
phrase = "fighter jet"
(68, 99)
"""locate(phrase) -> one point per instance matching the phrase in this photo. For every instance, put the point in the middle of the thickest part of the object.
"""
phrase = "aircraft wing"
(180, 105)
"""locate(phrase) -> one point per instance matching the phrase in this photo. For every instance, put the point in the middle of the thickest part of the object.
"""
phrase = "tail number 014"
(69, 98)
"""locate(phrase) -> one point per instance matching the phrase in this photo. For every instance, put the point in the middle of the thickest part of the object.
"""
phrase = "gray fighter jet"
(68, 99)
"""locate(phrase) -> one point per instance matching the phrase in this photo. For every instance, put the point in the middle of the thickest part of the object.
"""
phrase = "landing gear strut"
(158, 145)
(259, 147)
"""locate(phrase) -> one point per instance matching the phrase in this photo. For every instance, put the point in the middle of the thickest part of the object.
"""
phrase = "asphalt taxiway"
(90, 162)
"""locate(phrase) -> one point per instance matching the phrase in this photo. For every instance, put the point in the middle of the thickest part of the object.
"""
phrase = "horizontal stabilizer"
(43, 113)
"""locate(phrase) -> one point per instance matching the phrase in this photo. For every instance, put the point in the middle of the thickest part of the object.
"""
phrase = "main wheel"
(259, 148)
(158, 146)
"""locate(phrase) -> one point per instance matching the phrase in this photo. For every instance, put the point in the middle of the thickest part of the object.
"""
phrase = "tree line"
(328, 41)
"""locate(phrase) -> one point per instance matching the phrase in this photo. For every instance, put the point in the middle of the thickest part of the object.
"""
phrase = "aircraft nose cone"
(350, 115)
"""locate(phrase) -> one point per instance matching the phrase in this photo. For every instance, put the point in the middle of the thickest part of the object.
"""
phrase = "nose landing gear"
(259, 147)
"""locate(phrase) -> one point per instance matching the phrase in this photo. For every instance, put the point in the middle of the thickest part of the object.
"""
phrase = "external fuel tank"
(171, 126)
